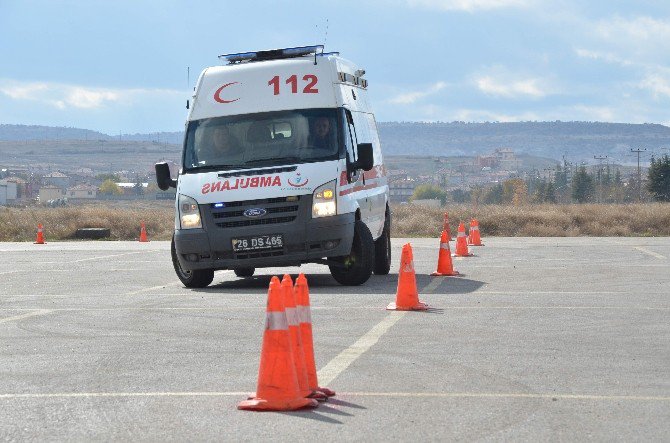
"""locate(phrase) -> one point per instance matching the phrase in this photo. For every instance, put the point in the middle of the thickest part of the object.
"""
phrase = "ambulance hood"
(257, 183)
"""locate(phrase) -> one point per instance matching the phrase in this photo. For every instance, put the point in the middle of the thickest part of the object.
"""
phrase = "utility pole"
(600, 159)
(639, 179)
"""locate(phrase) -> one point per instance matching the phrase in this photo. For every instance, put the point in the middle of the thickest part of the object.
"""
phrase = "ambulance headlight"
(323, 202)
(189, 213)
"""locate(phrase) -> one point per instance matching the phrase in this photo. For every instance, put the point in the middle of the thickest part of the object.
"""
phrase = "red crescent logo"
(217, 94)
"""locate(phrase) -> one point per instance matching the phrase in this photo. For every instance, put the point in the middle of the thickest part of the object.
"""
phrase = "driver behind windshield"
(222, 147)
(321, 134)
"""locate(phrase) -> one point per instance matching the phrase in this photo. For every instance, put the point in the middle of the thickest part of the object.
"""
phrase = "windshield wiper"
(213, 167)
(273, 161)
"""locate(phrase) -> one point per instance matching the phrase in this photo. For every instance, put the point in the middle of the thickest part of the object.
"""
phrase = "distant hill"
(33, 132)
(577, 140)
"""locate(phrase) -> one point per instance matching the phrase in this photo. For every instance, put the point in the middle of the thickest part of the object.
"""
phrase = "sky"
(121, 66)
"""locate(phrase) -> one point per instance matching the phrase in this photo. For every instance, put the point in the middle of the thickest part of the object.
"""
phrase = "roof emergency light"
(272, 54)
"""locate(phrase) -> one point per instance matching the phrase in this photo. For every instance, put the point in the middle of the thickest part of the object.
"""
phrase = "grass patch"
(651, 219)
(124, 218)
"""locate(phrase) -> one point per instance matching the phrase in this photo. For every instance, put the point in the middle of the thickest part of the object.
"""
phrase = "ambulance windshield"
(264, 139)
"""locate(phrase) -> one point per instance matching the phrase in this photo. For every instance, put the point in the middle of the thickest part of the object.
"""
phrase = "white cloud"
(467, 5)
(64, 96)
(639, 29)
(607, 57)
(529, 87)
(658, 85)
(411, 97)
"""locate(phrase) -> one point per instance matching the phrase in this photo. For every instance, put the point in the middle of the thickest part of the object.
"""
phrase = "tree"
(515, 191)
(429, 192)
(658, 183)
(108, 176)
(494, 195)
(582, 186)
(549, 193)
(108, 187)
(461, 196)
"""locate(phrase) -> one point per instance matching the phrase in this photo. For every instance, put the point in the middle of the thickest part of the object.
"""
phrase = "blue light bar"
(272, 54)
(218, 205)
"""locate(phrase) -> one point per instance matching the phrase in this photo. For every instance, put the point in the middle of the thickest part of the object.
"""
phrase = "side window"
(350, 136)
(350, 142)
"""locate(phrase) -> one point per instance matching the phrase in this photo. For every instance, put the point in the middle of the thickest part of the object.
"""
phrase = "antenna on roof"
(325, 37)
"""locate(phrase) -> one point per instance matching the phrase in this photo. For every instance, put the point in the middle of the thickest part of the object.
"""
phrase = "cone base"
(460, 255)
(325, 391)
(419, 307)
(40, 243)
(481, 244)
(258, 404)
(317, 395)
(445, 274)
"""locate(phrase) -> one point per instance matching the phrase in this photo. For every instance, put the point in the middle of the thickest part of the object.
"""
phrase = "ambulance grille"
(279, 210)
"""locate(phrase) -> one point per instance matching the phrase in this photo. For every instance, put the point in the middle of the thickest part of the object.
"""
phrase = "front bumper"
(305, 240)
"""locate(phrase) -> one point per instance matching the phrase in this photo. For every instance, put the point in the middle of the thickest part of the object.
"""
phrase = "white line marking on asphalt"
(345, 358)
(433, 285)
(481, 395)
(506, 395)
(8, 272)
(335, 308)
(106, 256)
(125, 394)
(23, 316)
(652, 253)
(153, 288)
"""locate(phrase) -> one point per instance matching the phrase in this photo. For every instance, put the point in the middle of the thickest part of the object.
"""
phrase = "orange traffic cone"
(476, 239)
(305, 319)
(297, 349)
(278, 388)
(446, 226)
(407, 296)
(40, 235)
(462, 243)
(143, 233)
(445, 265)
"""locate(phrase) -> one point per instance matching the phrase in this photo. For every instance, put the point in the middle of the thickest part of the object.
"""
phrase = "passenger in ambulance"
(320, 135)
(224, 146)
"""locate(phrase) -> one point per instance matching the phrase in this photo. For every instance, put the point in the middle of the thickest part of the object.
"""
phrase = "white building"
(7, 192)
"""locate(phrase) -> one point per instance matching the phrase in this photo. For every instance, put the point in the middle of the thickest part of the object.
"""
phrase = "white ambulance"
(281, 166)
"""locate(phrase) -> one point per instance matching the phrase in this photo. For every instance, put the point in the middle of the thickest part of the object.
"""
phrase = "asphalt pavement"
(540, 339)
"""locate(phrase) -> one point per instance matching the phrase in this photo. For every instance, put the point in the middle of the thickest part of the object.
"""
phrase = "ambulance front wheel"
(356, 268)
(383, 248)
(199, 278)
(244, 272)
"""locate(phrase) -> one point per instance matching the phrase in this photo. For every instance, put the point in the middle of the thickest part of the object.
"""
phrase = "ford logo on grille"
(255, 212)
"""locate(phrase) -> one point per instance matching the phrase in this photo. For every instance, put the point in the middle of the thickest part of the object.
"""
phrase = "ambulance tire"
(199, 278)
(244, 272)
(359, 263)
(383, 249)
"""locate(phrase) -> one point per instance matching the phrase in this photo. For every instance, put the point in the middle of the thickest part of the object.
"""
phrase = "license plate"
(258, 242)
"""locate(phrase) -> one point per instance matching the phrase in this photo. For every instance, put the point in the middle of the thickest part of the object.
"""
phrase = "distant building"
(57, 179)
(401, 190)
(82, 192)
(8, 193)
(506, 159)
(50, 192)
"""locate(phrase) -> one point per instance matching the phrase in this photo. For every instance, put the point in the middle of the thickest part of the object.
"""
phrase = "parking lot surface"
(541, 338)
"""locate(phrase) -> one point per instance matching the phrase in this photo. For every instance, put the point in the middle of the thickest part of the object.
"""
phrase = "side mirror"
(366, 159)
(163, 178)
